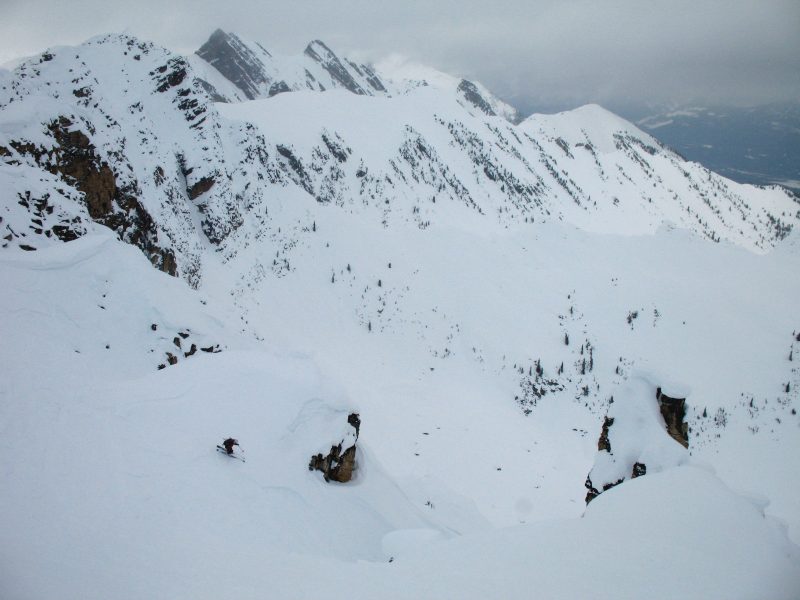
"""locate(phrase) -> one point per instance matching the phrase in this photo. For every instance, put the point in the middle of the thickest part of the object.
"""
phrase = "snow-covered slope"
(406, 75)
(483, 295)
(113, 487)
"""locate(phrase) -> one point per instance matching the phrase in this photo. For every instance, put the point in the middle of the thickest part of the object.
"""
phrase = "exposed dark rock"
(331, 63)
(339, 464)
(171, 75)
(674, 412)
(339, 152)
(159, 176)
(639, 469)
(298, 172)
(471, 94)
(603, 443)
(65, 233)
(79, 164)
(191, 351)
(200, 187)
(75, 159)
(594, 492)
(372, 78)
(354, 420)
(278, 88)
(228, 55)
(212, 91)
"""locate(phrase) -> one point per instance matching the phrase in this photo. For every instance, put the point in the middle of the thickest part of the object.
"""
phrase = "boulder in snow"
(340, 462)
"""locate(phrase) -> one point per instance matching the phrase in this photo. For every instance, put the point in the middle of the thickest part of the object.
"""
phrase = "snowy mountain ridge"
(202, 172)
(258, 73)
(486, 296)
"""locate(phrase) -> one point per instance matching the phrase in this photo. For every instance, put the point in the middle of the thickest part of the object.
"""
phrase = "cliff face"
(74, 160)
(673, 410)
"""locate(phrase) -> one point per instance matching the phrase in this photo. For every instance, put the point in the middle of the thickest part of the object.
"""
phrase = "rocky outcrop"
(633, 439)
(471, 94)
(201, 186)
(75, 159)
(278, 88)
(340, 462)
(320, 53)
(602, 442)
(594, 492)
(228, 55)
(78, 162)
(674, 412)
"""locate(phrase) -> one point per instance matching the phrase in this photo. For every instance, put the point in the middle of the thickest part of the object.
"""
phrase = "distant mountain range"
(258, 73)
(758, 145)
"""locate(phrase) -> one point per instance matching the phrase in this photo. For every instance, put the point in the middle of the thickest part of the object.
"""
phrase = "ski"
(225, 452)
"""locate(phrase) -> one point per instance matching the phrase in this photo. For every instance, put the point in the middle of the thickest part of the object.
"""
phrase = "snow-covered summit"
(406, 74)
(590, 120)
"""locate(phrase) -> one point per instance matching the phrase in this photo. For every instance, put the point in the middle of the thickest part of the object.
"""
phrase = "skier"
(229, 444)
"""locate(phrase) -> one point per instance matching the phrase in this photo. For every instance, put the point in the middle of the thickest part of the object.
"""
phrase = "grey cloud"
(547, 52)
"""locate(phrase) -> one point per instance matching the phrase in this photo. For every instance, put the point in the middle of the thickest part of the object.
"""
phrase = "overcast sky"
(536, 53)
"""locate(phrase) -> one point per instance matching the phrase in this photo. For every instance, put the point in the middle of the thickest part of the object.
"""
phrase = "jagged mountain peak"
(259, 73)
(237, 62)
(319, 50)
